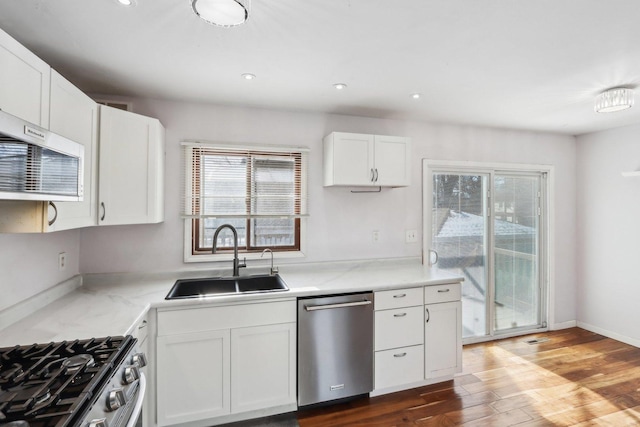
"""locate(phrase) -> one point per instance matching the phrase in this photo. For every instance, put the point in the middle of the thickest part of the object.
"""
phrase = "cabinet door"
(24, 82)
(348, 159)
(192, 376)
(75, 116)
(443, 339)
(131, 180)
(263, 372)
(392, 161)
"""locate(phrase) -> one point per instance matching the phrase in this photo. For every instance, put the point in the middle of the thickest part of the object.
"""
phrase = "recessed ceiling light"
(248, 76)
(340, 86)
(415, 95)
(125, 2)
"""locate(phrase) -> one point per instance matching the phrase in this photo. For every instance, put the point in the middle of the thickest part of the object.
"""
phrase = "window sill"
(228, 257)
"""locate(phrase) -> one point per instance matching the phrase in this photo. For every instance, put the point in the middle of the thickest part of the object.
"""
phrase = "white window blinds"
(237, 182)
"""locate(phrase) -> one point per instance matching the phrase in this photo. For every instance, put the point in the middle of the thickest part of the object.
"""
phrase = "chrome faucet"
(274, 270)
(236, 261)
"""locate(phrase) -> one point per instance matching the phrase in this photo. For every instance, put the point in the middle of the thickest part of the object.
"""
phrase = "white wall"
(609, 233)
(29, 263)
(341, 223)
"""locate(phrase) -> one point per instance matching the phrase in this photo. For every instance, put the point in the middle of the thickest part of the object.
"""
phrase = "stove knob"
(99, 422)
(139, 359)
(116, 399)
(131, 373)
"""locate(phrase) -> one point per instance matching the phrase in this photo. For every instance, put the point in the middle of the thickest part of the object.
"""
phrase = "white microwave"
(36, 164)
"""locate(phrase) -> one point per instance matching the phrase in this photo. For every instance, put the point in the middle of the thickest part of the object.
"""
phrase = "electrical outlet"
(376, 235)
(62, 261)
(411, 236)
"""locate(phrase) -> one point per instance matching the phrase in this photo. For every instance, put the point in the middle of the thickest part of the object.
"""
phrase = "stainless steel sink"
(212, 286)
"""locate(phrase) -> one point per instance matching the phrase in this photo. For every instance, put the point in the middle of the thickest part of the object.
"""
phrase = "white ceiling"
(534, 64)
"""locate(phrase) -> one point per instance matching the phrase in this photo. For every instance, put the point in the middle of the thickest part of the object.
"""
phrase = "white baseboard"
(613, 335)
(25, 308)
(564, 325)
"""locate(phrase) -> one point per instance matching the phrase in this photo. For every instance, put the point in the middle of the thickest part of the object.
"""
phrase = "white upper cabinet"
(352, 159)
(75, 116)
(131, 164)
(24, 82)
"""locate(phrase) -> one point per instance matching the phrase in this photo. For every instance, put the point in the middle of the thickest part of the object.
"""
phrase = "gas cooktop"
(56, 384)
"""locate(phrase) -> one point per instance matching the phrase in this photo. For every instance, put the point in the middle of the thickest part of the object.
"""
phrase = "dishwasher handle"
(339, 305)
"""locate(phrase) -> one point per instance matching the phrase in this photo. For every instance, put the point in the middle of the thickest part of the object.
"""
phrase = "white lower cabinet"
(443, 339)
(193, 376)
(399, 335)
(399, 366)
(443, 330)
(418, 336)
(215, 364)
(261, 375)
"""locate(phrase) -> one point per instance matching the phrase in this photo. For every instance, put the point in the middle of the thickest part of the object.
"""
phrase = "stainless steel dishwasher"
(335, 347)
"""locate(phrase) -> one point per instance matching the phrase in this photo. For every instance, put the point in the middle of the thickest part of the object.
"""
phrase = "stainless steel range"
(84, 383)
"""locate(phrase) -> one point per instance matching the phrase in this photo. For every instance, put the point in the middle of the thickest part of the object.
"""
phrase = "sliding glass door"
(459, 230)
(516, 230)
(487, 225)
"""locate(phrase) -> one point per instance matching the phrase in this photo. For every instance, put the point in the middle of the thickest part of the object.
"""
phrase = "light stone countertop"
(113, 304)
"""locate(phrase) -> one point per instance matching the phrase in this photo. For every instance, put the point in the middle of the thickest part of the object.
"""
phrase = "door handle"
(339, 305)
(104, 211)
(428, 316)
(435, 253)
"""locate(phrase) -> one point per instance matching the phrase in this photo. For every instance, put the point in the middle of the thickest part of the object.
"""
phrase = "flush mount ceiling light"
(223, 13)
(415, 95)
(125, 2)
(340, 86)
(616, 99)
(248, 76)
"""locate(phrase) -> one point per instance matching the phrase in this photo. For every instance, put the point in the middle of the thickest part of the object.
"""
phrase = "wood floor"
(576, 378)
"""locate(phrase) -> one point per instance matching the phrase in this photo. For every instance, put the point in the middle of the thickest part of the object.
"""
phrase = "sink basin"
(212, 286)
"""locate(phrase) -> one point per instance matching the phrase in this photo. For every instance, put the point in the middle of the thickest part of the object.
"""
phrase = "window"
(262, 193)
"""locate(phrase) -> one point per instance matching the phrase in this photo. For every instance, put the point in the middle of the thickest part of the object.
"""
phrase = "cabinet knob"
(139, 359)
(131, 373)
(116, 399)
(99, 422)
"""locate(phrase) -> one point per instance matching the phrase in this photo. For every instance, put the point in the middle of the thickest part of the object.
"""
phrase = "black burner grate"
(54, 385)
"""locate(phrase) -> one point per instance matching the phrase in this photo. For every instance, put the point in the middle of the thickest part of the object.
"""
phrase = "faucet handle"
(274, 270)
(244, 262)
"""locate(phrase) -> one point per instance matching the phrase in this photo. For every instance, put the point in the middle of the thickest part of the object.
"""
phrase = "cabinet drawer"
(200, 319)
(442, 293)
(400, 366)
(396, 298)
(398, 328)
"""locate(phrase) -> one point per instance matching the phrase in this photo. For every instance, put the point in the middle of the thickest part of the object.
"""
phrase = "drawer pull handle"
(400, 355)
(428, 316)
(400, 296)
(443, 290)
(400, 315)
